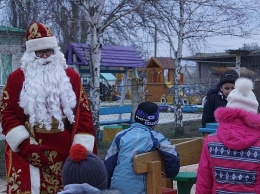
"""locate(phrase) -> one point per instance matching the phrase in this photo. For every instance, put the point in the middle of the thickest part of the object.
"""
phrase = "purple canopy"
(111, 56)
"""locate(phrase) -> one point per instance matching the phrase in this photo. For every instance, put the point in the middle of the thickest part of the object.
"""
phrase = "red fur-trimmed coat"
(230, 159)
(23, 177)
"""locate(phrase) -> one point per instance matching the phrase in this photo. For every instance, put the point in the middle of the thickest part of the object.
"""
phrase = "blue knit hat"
(147, 113)
(84, 167)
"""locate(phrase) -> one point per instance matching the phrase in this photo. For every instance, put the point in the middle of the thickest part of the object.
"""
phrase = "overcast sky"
(216, 44)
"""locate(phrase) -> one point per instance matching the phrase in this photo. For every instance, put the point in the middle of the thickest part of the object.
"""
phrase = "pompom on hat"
(40, 37)
(147, 113)
(242, 96)
(84, 167)
(228, 76)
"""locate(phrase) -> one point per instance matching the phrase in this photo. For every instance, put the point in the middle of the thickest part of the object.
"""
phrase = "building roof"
(111, 56)
(163, 62)
(11, 29)
(204, 56)
(220, 55)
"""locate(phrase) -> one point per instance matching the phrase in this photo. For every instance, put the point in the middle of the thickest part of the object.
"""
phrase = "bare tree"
(100, 15)
(190, 22)
(21, 13)
(69, 22)
(65, 17)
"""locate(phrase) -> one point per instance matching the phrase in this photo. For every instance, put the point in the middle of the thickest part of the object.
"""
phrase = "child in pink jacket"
(230, 158)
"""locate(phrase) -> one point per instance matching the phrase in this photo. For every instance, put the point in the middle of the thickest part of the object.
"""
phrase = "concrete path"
(2, 186)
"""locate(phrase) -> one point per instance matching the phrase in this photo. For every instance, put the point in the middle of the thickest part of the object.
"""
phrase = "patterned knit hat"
(84, 167)
(242, 96)
(39, 37)
(229, 76)
(147, 113)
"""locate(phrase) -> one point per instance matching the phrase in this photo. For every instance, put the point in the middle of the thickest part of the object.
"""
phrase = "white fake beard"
(47, 91)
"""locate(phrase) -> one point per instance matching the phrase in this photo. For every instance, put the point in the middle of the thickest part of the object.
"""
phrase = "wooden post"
(153, 178)
(238, 53)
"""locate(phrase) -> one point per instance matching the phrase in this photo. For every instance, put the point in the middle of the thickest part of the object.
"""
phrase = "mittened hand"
(34, 153)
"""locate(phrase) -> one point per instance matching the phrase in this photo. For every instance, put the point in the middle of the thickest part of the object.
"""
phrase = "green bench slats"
(185, 181)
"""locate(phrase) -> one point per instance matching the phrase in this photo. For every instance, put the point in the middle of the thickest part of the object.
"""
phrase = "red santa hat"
(39, 37)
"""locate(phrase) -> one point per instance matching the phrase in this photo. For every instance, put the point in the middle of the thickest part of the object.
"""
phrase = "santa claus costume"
(44, 111)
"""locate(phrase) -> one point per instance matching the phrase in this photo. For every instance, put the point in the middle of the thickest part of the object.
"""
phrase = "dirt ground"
(2, 186)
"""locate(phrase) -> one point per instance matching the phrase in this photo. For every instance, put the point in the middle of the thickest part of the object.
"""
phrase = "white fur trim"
(41, 43)
(16, 136)
(35, 179)
(86, 140)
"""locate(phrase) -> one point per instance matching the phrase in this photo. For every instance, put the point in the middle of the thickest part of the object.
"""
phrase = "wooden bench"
(189, 151)
(151, 164)
(115, 111)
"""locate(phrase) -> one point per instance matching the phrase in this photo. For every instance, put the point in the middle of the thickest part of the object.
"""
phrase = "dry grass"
(168, 130)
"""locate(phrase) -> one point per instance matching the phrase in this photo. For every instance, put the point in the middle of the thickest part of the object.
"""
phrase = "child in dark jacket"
(218, 97)
(84, 172)
(230, 157)
(137, 139)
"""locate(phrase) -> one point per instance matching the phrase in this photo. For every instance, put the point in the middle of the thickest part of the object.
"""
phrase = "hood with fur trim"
(238, 129)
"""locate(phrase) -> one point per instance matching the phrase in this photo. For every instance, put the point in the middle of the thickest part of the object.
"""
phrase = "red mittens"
(35, 154)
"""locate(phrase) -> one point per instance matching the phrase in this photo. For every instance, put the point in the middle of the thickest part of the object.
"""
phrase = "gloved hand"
(34, 153)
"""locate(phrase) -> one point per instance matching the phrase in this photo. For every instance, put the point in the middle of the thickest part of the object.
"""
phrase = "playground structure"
(189, 95)
(111, 86)
(105, 85)
(159, 71)
(119, 85)
(160, 83)
(114, 59)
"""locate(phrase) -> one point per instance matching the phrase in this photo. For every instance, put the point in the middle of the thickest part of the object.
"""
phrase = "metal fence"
(193, 92)
(189, 93)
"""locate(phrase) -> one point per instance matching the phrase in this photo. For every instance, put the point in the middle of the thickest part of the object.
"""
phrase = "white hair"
(47, 91)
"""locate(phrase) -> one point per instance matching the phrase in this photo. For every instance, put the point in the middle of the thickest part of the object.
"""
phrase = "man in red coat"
(44, 110)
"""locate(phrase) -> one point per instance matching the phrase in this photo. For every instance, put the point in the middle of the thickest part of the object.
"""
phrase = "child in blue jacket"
(137, 139)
